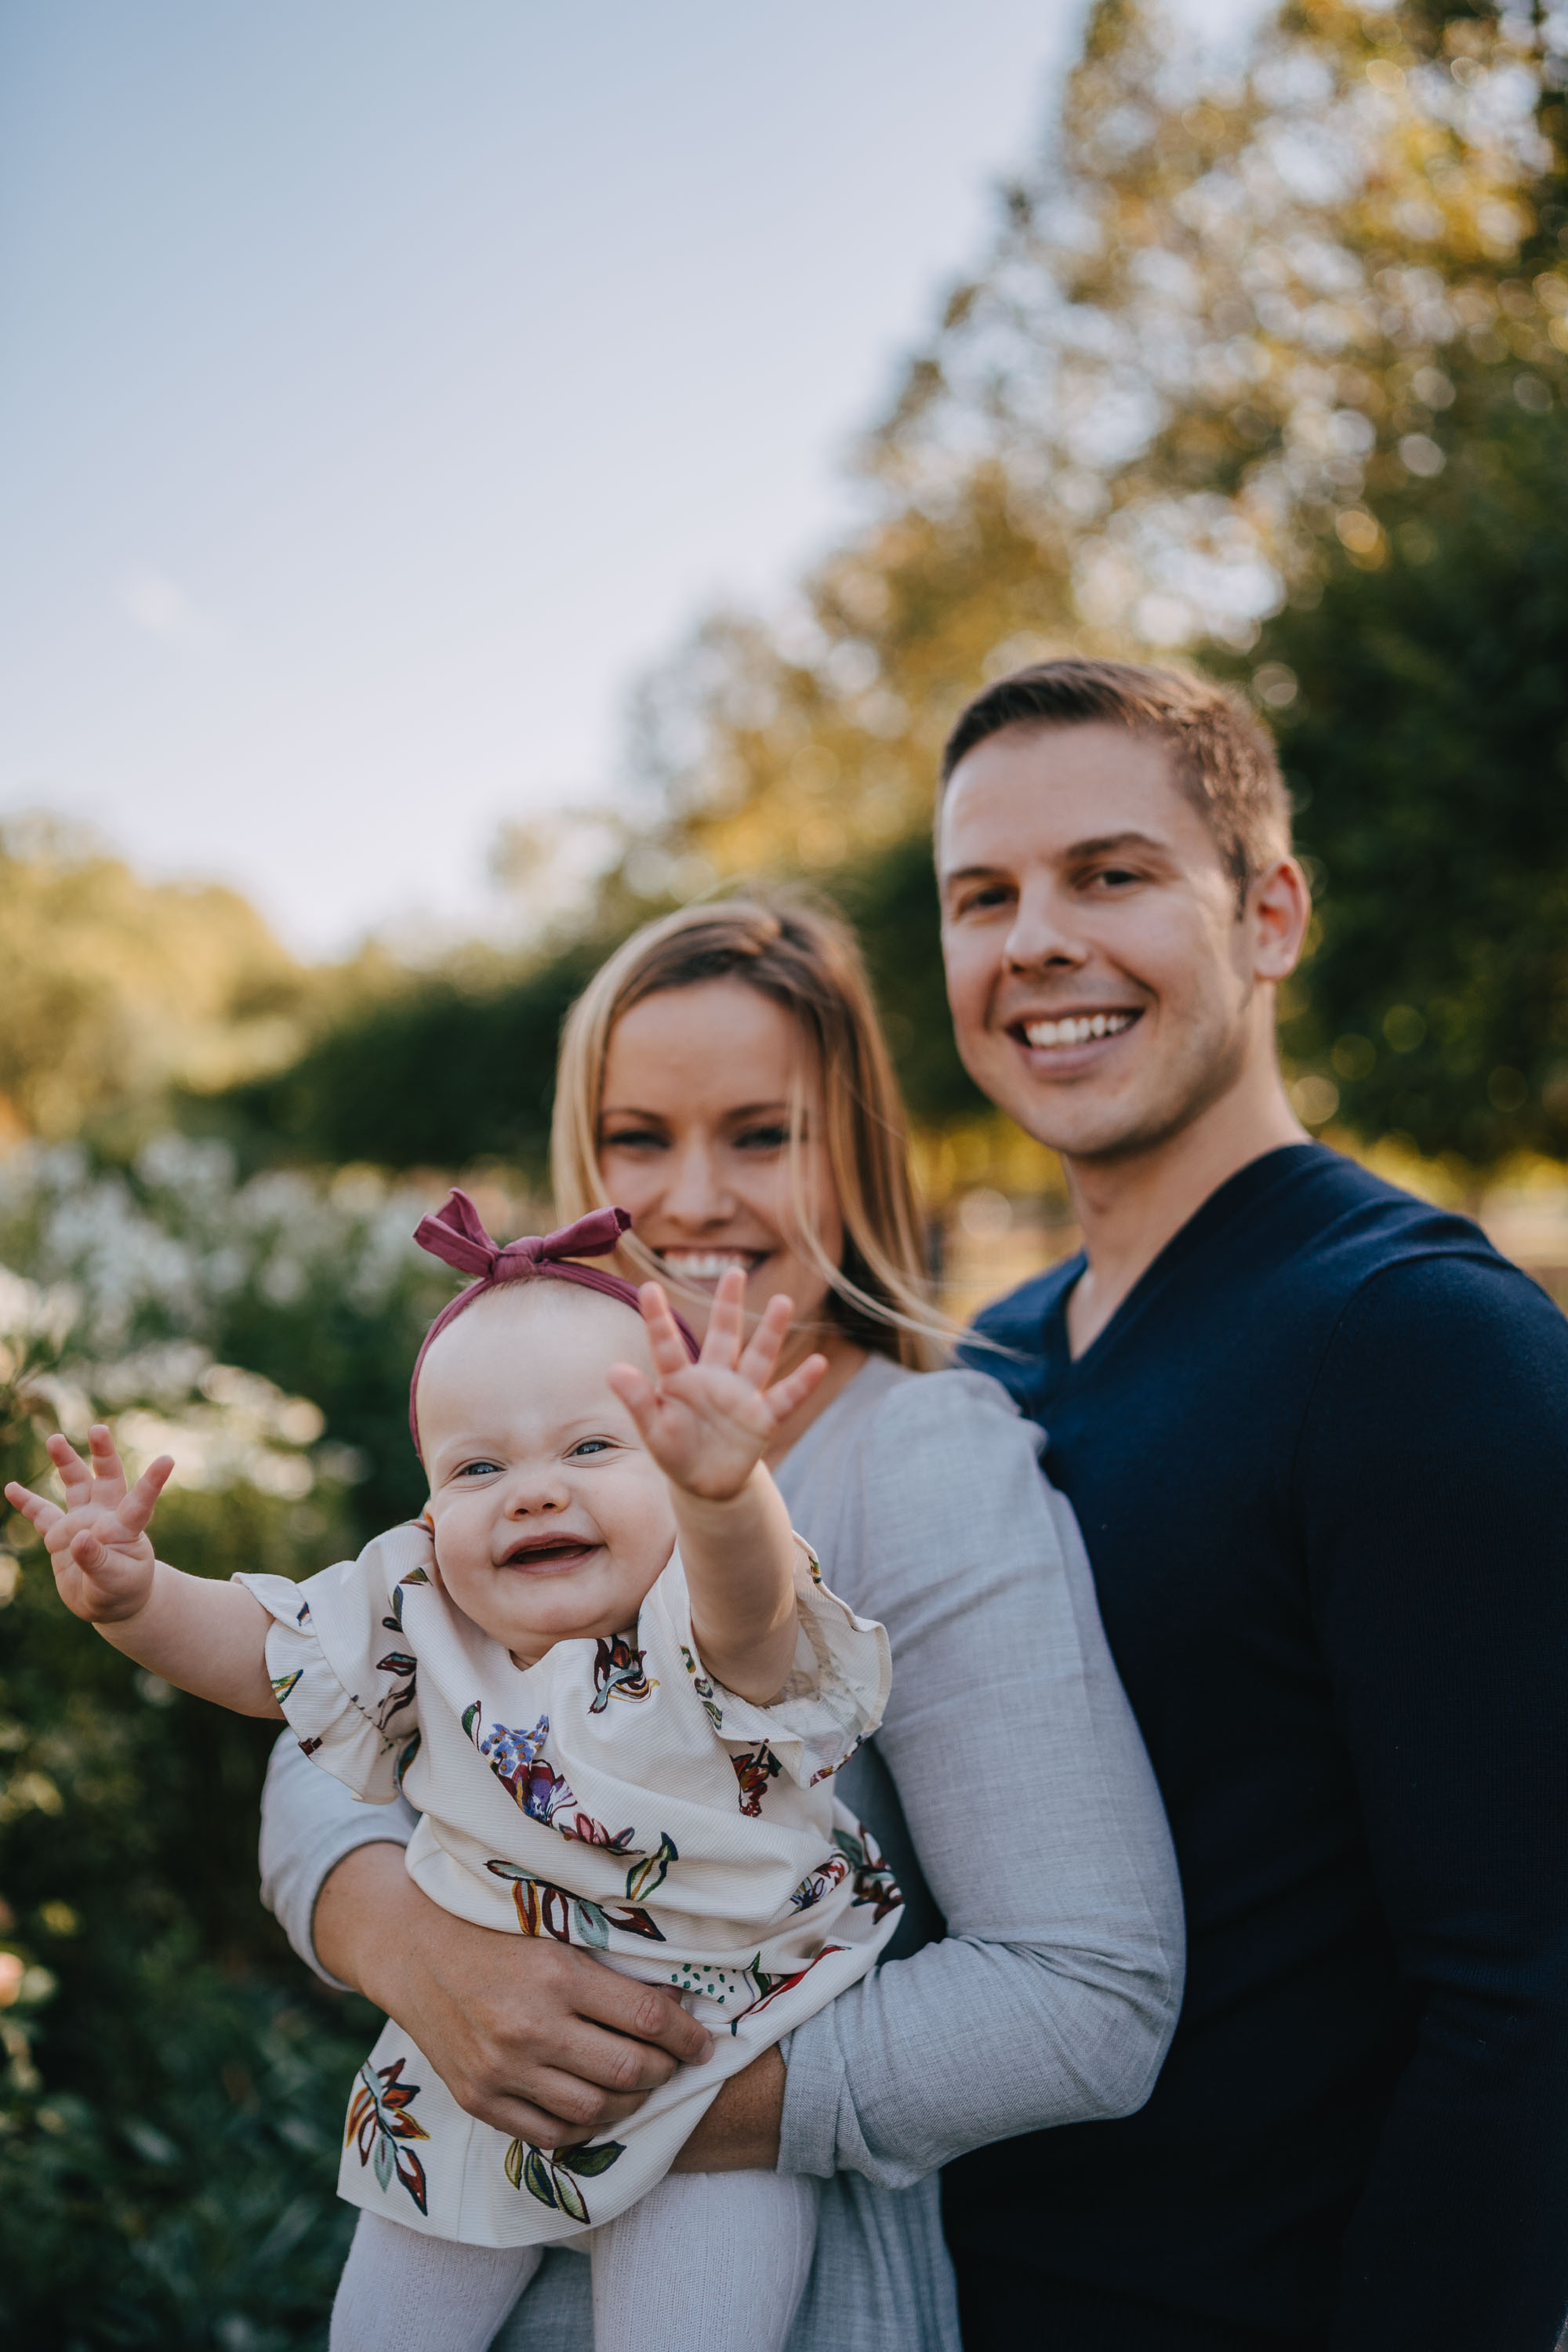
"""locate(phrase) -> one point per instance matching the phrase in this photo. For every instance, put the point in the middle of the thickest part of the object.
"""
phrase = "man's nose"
(1042, 931)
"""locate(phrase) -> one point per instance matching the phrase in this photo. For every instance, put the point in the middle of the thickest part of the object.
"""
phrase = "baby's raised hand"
(97, 1545)
(709, 1423)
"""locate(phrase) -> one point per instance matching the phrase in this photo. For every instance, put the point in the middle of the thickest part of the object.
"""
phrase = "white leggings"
(704, 2263)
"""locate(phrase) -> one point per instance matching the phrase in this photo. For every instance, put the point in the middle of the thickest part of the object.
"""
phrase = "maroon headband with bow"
(457, 1234)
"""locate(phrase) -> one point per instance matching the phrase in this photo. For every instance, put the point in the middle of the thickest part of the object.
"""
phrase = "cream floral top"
(611, 1797)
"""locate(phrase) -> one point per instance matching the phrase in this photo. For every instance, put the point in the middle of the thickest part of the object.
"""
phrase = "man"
(1316, 1434)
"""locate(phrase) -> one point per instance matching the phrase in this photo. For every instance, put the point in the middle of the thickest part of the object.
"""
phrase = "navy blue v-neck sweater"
(1321, 1460)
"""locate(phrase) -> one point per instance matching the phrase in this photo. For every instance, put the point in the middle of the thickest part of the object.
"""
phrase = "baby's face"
(551, 1522)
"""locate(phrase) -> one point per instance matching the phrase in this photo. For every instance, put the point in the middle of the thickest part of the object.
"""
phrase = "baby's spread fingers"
(74, 1475)
(636, 1391)
(138, 1507)
(726, 1321)
(768, 1338)
(784, 1395)
(108, 1470)
(42, 1514)
(663, 1331)
(89, 1551)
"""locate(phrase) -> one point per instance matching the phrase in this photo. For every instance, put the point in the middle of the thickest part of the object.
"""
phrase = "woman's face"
(694, 1141)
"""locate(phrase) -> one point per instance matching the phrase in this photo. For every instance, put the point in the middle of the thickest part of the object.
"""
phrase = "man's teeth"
(703, 1265)
(1077, 1030)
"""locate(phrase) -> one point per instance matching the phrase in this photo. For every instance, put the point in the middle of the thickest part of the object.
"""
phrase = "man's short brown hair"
(1223, 756)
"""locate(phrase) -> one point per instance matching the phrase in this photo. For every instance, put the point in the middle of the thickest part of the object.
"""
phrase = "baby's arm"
(200, 1636)
(708, 1425)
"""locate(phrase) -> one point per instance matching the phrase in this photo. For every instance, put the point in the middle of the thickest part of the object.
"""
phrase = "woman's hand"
(708, 1425)
(97, 1545)
(537, 2040)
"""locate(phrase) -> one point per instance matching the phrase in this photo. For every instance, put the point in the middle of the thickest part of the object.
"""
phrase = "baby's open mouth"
(545, 1552)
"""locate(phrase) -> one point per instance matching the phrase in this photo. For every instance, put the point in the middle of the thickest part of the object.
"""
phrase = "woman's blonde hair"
(808, 962)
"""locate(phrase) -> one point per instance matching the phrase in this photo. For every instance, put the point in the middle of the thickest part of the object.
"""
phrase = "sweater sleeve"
(1032, 1807)
(309, 1823)
(1432, 1480)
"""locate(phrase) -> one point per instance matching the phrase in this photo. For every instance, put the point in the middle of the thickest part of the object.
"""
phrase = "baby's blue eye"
(478, 1469)
(591, 1445)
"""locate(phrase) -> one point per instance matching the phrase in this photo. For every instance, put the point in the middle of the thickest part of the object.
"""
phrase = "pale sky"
(385, 387)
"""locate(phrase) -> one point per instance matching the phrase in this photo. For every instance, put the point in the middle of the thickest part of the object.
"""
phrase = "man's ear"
(1277, 912)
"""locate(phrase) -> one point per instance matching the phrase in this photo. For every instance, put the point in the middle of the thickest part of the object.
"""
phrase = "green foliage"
(1428, 743)
(172, 2085)
(439, 1075)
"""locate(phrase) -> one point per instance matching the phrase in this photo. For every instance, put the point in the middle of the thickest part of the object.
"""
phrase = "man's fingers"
(520, 2119)
(138, 1507)
(42, 1514)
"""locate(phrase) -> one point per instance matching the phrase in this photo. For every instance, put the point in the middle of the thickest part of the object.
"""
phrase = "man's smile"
(1072, 1040)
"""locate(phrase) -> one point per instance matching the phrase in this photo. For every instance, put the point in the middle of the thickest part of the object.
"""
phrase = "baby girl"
(611, 1681)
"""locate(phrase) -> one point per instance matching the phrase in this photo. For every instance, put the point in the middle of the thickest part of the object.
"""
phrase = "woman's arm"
(528, 2035)
(1033, 1809)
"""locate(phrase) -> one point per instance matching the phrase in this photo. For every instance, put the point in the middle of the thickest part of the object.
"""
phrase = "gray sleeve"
(309, 1822)
(1033, 1807)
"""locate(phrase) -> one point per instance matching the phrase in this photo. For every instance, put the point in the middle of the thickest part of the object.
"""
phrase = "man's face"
(1103, 990)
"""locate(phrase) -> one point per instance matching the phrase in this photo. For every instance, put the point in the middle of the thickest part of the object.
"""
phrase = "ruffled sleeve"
(341, 1664)
(836, 1693)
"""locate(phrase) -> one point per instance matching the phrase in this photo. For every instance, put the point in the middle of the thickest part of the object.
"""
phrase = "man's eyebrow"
(1098, 846)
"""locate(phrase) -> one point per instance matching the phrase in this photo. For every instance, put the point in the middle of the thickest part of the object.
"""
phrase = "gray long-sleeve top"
(1008, 1785)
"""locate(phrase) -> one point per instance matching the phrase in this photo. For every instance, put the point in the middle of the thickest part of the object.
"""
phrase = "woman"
(723, 1078)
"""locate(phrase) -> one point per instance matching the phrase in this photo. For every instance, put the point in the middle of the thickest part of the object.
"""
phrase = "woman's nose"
(695, 1193)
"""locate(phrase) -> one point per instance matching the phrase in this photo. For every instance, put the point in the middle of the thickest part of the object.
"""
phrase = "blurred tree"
(1422, 706)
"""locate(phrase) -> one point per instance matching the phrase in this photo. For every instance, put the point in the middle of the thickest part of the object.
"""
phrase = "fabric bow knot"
(457, 1234)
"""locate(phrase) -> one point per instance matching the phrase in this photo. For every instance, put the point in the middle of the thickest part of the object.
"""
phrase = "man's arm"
(1432, 1479)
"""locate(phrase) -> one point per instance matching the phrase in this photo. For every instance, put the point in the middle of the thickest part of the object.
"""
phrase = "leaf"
(508, 1870)
(587, 2161)
(471, 1721)
(411, 2172)
(536, 2178)
(380, 2162)
(652, 1870)
(593, 1927)
(514, 2164)
(571, 2197)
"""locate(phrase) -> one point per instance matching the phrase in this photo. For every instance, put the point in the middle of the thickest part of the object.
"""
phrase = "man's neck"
(1129, 1208)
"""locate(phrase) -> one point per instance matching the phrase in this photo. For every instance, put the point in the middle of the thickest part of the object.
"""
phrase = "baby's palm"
(708, 1424)
(97, 1545)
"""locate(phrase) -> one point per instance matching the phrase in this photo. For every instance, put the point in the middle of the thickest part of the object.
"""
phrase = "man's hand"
(97, 1545)
(541, 2042)
(708, 1425)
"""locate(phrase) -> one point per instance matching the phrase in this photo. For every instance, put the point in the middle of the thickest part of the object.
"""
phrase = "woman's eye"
(762, 1138)
(632, 1138)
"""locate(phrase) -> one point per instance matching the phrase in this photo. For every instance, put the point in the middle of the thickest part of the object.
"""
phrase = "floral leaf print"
(619, 1673)
(414, 1576)
(874, 1882)
(519, 1762)
(588, 1832)
(828, 1873)
(471, 1721)
(401, 1694)
(405, 1756)
(548, 2175)
(394, 1624)
(653, 1869)
(704, 1689)
(771, 1987)
(755, 1768)
(546, 1910)
(283, 1684)
(379, 2122)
